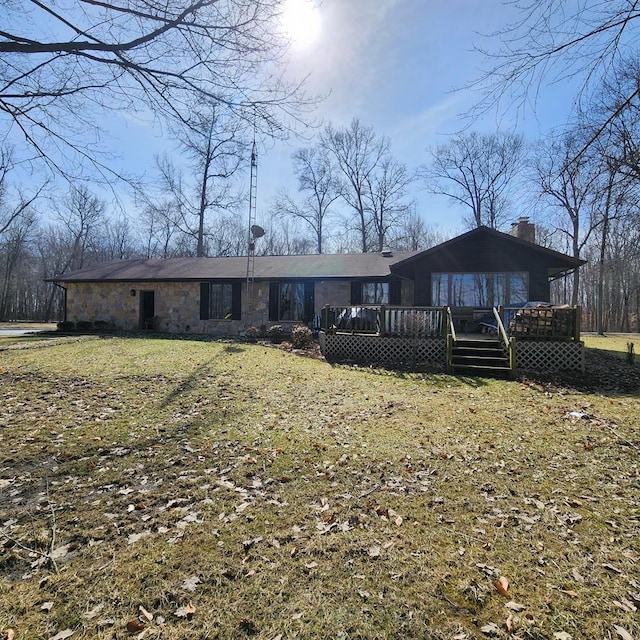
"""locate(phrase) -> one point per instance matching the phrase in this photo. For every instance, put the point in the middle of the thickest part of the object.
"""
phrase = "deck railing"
(384, 320)
(542, 322)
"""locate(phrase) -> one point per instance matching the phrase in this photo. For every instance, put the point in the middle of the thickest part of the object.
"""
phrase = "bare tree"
(80, 218)
(479, 172)
(64, 64)
(215, 143)
(358, 153)
(118, 241)
(386, 193)
(11, 212)
(554, 41)
(320, 187)
(186, 202)
(159, 222)
(570, 188)
(283, 237)
(14, 265)
(413, 234)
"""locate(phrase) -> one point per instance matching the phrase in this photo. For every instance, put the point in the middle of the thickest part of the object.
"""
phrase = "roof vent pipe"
(387, 253)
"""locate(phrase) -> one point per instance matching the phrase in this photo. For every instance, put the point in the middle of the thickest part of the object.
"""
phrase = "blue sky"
(396, 65)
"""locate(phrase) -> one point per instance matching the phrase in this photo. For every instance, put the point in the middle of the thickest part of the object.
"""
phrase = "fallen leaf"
(374, 552)
(570, 592)
(46, 606)
(191, 583)
(509, 623)
(11, 634)
(576, 575)
(502, 586)
(606, 565)
(133, 626)
(625, 605)
(135, 537)
(145, 614)
(515, 606)
(623, 633)
(562, 635)
(94, 612)
(490, 629)
(62, 635)
(186, 611)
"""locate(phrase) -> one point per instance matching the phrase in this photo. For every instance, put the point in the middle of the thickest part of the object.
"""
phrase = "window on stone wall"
(291, 301)
(375, 293)
(220, 301)
(481, 290)
(364, 292)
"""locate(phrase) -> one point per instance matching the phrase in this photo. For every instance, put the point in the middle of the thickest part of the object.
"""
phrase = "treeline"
(353, 196)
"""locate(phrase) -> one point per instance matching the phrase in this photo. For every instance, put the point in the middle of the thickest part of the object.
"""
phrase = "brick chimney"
(523, 229)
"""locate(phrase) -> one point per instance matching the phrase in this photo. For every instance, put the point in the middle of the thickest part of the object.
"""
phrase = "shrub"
(275, 333)
(301, 337)
(251, 334)
(66, 326)
(84, 325)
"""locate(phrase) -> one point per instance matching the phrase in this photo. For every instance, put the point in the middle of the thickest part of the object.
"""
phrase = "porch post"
(449, 353)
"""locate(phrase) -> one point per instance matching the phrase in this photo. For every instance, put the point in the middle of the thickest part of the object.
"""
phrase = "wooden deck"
(542, 339)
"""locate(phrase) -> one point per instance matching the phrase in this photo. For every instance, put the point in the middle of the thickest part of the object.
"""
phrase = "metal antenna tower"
(251, 233)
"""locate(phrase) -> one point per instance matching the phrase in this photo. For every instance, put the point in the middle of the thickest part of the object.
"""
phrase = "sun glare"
(301, 21)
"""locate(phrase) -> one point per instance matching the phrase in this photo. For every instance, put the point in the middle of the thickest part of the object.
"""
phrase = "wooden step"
(480, 357)
(484, 371)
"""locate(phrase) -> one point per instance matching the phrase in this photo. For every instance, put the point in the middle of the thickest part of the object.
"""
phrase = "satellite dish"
(257, 231)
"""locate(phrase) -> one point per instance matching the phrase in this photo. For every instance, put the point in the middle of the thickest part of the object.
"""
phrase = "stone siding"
(177, 305)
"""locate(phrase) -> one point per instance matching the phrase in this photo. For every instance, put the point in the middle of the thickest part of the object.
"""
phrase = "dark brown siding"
(480, 253)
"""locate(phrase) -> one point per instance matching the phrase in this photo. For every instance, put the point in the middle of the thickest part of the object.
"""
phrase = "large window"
(291, 301)
(479, 289)
(219, 301)
(371, 292)
(375, 293)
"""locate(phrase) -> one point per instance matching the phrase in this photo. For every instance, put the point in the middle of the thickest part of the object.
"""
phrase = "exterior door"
(147, 309)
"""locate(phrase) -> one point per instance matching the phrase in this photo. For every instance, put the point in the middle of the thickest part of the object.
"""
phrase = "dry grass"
(281, 497)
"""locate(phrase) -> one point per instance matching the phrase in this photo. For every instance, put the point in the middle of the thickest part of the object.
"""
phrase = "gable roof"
(342, 265)
(482, 238)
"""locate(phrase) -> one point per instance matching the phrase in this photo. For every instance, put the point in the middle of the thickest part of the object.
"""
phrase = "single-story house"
(479, 269)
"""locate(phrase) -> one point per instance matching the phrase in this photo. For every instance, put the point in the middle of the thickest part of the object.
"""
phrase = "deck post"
(383, 321)
(577, 321)
(449, 353)
(512, 357)
(325, 319)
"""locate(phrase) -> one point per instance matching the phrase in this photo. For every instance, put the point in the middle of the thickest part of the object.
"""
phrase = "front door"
(147, 309)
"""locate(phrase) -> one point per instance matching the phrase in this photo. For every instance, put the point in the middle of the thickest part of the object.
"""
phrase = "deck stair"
(480, 357)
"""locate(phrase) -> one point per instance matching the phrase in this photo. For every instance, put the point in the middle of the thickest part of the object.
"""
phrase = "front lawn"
(160, 488)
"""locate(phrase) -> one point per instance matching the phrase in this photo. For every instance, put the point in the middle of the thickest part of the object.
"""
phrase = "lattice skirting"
(549, 356)
(532, 355)
(382, 350)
